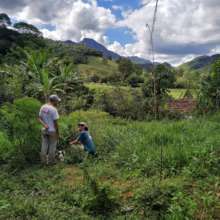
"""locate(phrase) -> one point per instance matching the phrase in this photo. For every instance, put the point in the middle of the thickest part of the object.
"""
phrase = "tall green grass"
(129, 179)
(137, 146)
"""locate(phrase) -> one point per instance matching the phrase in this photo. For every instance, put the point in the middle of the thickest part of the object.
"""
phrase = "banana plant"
(38, 64)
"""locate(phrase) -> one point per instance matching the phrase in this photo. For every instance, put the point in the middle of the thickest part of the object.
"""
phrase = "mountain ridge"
(200, 63)
(110, 54)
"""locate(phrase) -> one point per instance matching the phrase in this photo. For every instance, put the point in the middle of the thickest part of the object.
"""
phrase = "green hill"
(98, 69)
(200, 64)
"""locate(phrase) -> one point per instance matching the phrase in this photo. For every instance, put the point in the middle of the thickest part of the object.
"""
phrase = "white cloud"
(73, 19)
(184, 28)
(83, 20)
(117, 7)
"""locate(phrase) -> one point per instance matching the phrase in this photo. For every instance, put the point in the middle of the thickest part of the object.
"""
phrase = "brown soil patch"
(185, 105)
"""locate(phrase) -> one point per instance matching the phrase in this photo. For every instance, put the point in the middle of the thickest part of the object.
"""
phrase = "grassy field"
(102, 87)
(96, 66)
(157, 170)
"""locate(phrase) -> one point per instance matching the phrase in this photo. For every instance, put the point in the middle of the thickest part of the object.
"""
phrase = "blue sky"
(126, 35)
(125, 3)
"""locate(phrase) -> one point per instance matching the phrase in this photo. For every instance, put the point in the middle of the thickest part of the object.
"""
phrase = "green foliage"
(130, 72)
(29, 28)
(74, 155)
(156, 201)
(102, 201)
(157, 87)
(204, 163)
(134, 80)
(164, 80)
(5, 148)
(125, 67)
(19, 121)
(124, 181)
(121, 102)
(11, 86)
(182, 207)
(209, 93)
(11, 41)
(4, 18)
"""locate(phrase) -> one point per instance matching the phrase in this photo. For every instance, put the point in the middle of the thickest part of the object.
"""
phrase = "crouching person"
(85, 139)
(48, 117)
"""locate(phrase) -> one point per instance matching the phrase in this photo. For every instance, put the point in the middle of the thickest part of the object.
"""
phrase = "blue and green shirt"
(86, 140)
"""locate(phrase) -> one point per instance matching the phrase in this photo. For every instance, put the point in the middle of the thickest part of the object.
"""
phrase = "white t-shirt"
(48, 115)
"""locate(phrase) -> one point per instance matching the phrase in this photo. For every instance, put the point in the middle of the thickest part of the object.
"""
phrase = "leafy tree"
(138, 69)
(27, 28)
(209, 92)
(4, 20)
(10, 84)
(134, 80)
(125, 67)
(38, 64)
(157, 87)
(19, 123)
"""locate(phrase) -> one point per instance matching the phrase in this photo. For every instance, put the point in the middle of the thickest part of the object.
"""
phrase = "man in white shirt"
(48, 117)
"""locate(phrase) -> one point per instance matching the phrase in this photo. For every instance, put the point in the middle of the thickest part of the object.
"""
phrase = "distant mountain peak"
(100, 48)
(110, 54)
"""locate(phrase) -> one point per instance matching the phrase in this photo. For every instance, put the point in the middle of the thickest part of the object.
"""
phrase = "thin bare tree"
(151, 29)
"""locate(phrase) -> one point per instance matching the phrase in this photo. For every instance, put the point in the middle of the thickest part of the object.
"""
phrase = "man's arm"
(42, 123)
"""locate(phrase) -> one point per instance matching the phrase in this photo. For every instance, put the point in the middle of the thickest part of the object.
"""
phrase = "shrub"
(204, 163)
(209, 93)
(74, 155)
(134, 80)
(5, 148)
(20, 123)
(182, 207)
(102, 201)
(122, 103)
(155, 202)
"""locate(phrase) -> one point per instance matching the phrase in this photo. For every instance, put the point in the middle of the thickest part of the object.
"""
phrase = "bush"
(134, 80)
(74, 155)
(122, 103)
(5, 148)
(209, 94)
(102, 200)
(156, 201)
(20, 123)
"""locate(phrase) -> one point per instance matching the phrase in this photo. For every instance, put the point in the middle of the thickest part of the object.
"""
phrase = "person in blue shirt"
(85, 139)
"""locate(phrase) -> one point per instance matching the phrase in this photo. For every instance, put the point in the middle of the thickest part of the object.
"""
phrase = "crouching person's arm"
(76, 141)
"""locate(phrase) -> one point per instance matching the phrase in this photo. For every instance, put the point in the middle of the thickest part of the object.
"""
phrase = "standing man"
(48, 117)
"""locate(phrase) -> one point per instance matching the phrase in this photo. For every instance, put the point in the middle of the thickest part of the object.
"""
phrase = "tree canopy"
(25, 27)
(4, 19)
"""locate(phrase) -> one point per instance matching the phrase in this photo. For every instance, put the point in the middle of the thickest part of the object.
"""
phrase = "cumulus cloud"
(184, 28)
(12, 5)
(72, 19)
